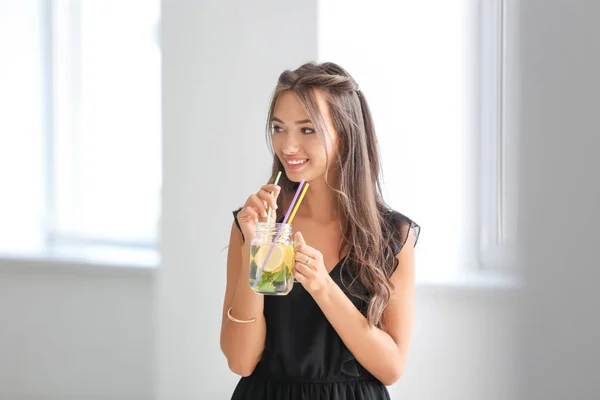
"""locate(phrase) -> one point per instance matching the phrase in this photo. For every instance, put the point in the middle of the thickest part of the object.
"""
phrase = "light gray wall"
(71, 332)
(560, 199)
(220, 64)
(462, 345)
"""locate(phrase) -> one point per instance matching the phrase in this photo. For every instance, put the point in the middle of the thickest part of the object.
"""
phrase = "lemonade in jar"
(272, 259)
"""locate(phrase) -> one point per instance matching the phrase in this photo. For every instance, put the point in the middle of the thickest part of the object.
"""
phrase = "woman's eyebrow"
(303, 121)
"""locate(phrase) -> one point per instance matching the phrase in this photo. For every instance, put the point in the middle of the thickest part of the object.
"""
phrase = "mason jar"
(272, 259)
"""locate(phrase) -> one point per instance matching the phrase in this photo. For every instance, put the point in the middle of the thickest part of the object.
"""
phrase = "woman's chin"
(308, 174)
(297, 176)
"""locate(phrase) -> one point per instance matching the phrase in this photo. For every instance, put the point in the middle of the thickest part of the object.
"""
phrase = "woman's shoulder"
(235, 214)
(398, 227)
(237, 211)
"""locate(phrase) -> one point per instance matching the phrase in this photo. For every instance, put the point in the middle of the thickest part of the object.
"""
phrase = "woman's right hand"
(256, 209)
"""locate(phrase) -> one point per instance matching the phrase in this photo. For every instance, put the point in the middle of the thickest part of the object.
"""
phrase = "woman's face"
(296, 142)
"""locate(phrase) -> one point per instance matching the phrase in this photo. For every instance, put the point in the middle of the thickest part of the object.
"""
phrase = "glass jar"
(272, 259)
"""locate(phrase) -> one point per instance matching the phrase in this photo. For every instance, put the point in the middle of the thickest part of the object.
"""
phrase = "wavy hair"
(359, 198)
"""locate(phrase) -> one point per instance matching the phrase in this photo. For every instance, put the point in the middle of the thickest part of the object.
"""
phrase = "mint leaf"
(265, 286)
(281, 275)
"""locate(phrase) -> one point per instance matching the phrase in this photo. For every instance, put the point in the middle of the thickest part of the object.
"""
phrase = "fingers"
(301, 247)
(266, 197)
(257, 205)
(299, 238)
(247, 214)
(299, 277)
(304, 259)
(303, 273)
(255, 202)
(275, 189)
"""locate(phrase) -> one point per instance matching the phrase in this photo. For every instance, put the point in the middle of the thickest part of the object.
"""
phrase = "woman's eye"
(308, 131)
(276, 129)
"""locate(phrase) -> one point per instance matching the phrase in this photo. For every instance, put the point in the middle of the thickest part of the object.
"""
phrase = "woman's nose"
(291, 144)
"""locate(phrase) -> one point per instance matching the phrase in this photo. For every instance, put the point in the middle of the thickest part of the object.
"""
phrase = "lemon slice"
(275, 261)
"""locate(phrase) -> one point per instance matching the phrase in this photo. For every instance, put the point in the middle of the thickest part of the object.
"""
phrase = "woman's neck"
(319, 203)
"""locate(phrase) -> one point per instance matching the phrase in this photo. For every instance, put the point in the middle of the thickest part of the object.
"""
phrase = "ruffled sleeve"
(399, 229)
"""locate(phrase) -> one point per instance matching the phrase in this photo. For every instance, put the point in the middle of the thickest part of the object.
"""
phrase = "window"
(497, 214)
(22, 122)
(420, 67)
(85, 138)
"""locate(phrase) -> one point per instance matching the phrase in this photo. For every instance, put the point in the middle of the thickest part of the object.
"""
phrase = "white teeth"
(296, 162)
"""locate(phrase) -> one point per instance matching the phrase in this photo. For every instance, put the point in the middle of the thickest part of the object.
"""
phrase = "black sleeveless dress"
(304, 357)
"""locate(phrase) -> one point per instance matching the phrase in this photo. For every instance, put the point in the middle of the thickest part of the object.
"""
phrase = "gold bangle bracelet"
(239, 321)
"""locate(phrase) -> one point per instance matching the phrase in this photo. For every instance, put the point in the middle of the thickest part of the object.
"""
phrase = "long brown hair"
(358, 189)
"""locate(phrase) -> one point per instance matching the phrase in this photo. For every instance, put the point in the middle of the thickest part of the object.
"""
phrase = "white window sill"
(83, 257)
(472, 280)
(78, 258)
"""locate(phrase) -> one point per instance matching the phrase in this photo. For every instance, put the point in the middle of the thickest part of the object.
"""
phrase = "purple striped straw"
(287, 215)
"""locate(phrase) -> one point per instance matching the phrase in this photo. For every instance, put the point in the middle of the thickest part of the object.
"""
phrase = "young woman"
(343, 332)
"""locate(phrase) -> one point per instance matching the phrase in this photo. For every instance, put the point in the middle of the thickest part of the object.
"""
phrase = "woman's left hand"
(309, 268)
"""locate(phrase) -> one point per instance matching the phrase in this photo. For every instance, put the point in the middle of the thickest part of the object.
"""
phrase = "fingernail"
(264, 214)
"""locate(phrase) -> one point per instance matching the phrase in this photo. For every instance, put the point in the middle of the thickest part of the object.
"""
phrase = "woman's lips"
(295, 164)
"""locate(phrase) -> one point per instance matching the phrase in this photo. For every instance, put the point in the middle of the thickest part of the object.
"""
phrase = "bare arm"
(382, 352)
(242, 344)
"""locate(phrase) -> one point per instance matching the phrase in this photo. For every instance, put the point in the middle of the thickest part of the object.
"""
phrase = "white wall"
(70, 332)
(560, 199)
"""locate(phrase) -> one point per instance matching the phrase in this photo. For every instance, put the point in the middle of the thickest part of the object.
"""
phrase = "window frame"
(496, 221)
